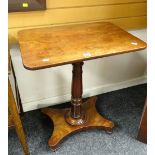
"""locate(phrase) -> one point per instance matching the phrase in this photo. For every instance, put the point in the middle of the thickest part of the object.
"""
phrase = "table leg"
(142, 132)
(80, 117)
(16, 120)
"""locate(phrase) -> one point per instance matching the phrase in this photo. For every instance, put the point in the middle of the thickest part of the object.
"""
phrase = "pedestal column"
(81, 116)
(76, 116)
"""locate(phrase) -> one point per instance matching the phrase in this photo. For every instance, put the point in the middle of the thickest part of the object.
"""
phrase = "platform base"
(62, 129)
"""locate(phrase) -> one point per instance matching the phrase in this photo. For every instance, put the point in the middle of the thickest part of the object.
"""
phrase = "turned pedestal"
(80, 116)
(73, 44)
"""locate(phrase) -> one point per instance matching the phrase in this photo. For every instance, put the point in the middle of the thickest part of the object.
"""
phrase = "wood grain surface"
(125, 23)
(48, 47)
(15, 118)
(62, 129)
(10, 122)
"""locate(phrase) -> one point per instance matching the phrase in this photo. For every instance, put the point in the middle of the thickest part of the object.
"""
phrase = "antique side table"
(48, 47)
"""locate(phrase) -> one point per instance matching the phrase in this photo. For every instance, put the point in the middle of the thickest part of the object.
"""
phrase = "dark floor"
(124, 107)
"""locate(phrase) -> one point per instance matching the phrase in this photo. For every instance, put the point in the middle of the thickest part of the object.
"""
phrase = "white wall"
(51, 86)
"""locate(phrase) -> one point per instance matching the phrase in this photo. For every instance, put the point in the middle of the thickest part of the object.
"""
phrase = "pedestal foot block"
(62, 129)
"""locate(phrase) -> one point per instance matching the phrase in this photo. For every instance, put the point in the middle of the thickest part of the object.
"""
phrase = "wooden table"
(48, 47)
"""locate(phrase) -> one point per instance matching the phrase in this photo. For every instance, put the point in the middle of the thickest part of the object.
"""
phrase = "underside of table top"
(54, 46)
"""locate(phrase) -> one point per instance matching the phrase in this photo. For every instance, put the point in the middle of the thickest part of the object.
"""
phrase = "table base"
(62, 129)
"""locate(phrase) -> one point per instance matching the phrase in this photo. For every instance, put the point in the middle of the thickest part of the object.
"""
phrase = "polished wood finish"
(15, 119)
(142, 132)
(26, 5)
(127, 23)
(62, 129)
(48, 47)
(76, 114)
(79, 117)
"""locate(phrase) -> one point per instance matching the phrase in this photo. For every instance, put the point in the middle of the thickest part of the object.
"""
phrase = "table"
(73, 44)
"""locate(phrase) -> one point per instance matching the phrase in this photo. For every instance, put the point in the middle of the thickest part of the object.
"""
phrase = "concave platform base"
(62, 129)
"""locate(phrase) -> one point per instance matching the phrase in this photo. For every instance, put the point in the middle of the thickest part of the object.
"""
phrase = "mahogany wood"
(62, 129)
(54, 46)
(49, 47)
(76, 115)
(142, 132)
(15, 118)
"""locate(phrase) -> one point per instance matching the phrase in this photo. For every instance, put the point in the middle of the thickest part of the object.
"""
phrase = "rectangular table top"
(54, 46)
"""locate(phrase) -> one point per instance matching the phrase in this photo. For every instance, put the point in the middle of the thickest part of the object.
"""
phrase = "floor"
(124, 107)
